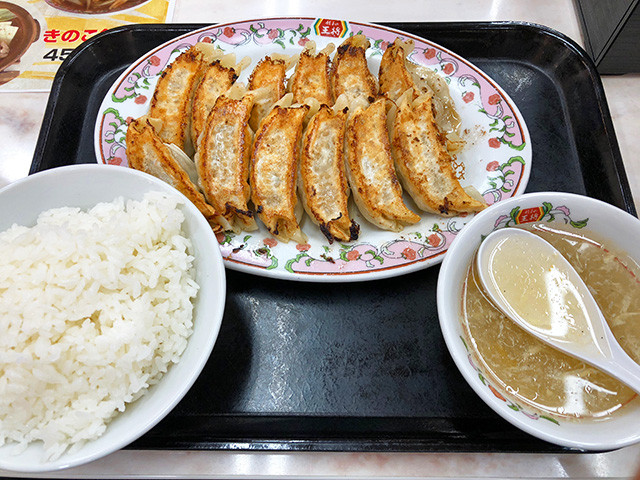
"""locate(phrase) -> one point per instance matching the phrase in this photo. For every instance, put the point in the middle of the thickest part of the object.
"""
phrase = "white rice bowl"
(113, 323)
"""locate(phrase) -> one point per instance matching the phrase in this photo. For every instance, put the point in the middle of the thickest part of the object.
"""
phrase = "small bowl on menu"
(118, 291)
(546, 393)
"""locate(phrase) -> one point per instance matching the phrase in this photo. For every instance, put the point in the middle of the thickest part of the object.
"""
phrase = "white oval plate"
(497, 160)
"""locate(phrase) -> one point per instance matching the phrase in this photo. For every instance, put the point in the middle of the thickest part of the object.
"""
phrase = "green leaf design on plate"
(274, 262)
(123, 99)
(115, 113)
(579, 223)
(289, 265)
(550, 419)
(511, 145)
(514, 214)
(375, 256)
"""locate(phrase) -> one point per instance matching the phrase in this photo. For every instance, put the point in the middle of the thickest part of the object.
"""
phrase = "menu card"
(37, 35)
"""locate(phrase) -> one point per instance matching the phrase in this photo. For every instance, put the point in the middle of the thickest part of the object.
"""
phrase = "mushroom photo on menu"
(7, 31)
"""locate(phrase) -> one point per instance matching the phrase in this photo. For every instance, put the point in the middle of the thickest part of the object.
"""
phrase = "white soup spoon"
(536, 287)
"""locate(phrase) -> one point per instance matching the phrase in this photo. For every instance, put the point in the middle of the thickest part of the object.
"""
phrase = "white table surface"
(20, 119)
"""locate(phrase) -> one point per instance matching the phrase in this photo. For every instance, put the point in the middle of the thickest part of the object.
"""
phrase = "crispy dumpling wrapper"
(220, 73)
(422, 161)
(273, 175)
(322, 182)
(446, 115)
(393, 76)
(269, 73)
(370, 170)
(148, 153)
(211, 53)
(223, 155)
(350, 74)
(398, 73)
(172, 99)
(311, 80)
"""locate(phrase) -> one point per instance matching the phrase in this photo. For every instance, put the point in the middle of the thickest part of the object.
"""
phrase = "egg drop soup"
(533, 373)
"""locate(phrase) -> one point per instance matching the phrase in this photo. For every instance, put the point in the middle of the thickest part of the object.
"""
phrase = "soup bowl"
(613, 227)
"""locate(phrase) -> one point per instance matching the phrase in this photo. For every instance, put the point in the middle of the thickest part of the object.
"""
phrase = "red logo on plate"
(529, 215)
(326, 27)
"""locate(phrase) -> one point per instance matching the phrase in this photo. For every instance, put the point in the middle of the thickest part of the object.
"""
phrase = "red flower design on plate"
(353, 255)
(154, 60)
(448, 69)
(228, 32)
(434, 239)
(494, 143)
(140, 99)
(429, 53)
(303, 41)
(220, 237)
(270, 242)
(409, 253)
(273, 33)
(492, 166)
(494, 99)
(468, 97)
(497, 393)
(115, 161)
(207, 40)
(303, 247)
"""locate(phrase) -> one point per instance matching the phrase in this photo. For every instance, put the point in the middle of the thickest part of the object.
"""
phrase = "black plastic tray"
(362, 366)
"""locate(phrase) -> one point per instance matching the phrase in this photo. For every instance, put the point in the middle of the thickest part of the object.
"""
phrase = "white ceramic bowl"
(84, 186)
(607, 223)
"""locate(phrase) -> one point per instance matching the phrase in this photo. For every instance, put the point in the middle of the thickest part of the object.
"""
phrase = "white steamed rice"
(94, 307)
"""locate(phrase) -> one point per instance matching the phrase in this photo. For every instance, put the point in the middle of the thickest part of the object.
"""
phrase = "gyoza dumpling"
(393, 75)
(222, 157)
(274, 164)
(148, 153)
(350, 74)
(398, 74)
(422, 160)
(219, 76)
(322, 181)
(370, 170)
(311, 78)
(270, 73)
(172, 98)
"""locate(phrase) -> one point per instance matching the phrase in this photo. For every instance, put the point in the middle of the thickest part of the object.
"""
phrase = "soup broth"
(534, 373)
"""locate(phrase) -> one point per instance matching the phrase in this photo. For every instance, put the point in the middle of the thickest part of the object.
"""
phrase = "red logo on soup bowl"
(528, 215)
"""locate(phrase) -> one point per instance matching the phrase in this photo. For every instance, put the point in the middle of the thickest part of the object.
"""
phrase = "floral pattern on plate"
(496, 161)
